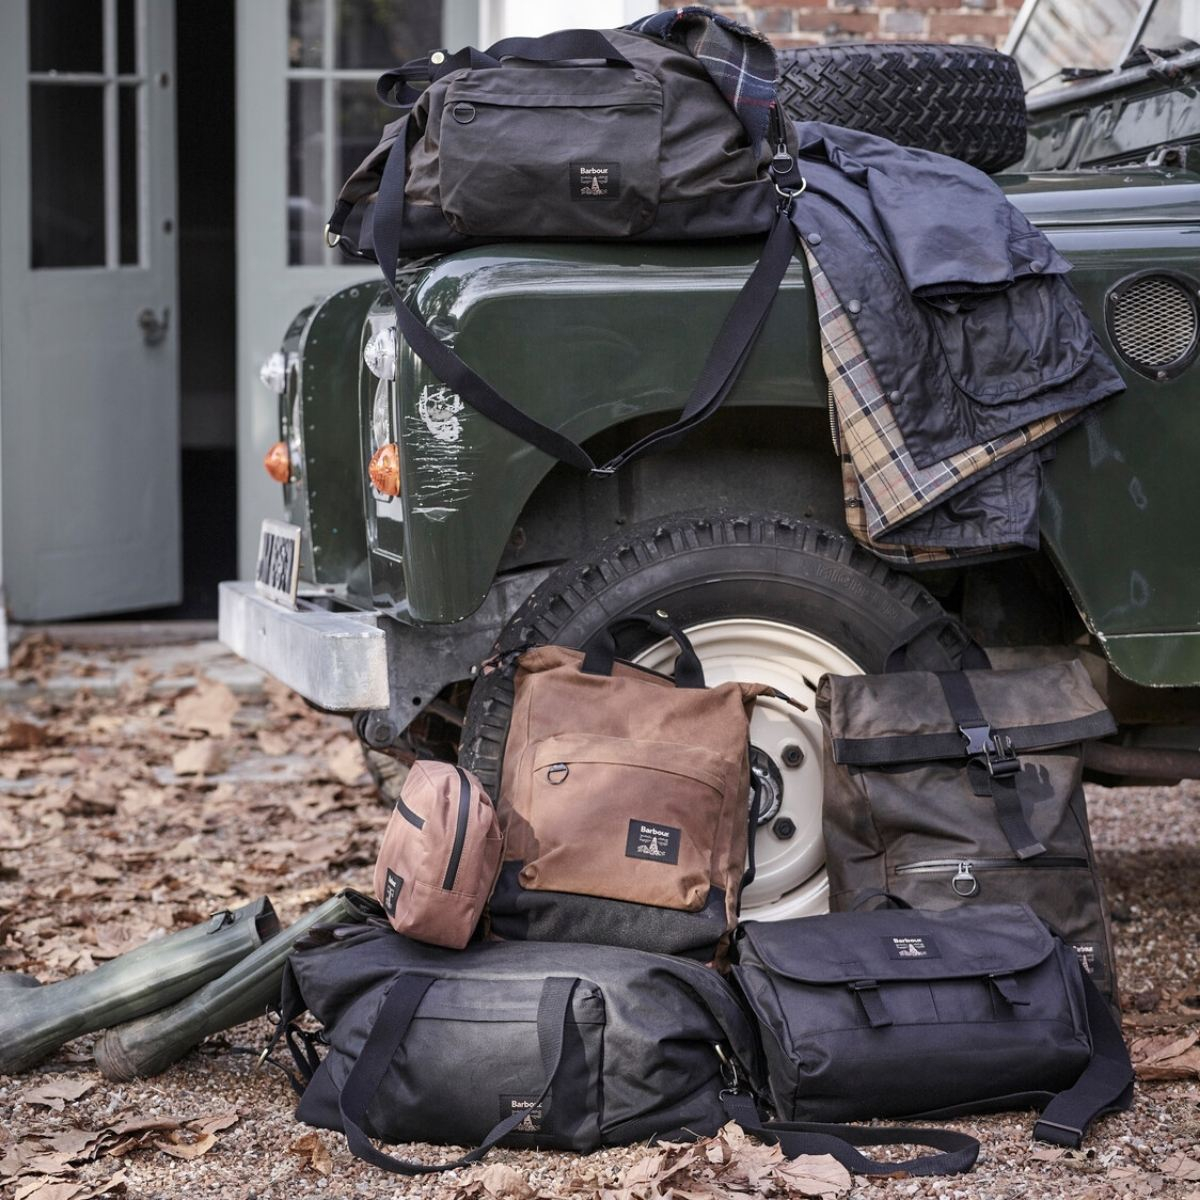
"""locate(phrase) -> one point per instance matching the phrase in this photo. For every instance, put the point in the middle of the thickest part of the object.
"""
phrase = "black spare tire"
(964, 101)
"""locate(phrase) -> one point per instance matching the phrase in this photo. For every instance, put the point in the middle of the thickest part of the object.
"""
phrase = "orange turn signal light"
(384, 469)
(278, 463)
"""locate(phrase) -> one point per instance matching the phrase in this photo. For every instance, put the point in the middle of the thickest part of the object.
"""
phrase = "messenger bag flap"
(906, 717)
(899, 945)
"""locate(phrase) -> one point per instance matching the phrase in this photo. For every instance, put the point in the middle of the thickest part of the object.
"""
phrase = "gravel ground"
(159, 795)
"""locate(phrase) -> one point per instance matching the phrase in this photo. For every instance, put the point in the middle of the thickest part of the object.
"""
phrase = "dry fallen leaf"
(209, 709)
(55, 1094)
(180, 1149)
(1166, 1057)
(315, 1153)
(505, 1183)
(204, 757)
(344, 758)
(214, 1123)
(1179, 1166)
(814, 1175)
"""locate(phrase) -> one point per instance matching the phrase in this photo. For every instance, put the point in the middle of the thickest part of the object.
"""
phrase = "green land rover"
(420, 536)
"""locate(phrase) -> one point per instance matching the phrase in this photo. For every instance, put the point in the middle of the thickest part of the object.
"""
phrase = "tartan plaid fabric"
(883, 486)
(741, 62)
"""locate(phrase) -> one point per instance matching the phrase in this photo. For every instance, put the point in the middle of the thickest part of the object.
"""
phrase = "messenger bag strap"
(1105, 1085)
(995, 763)
(737, 336)
(958, 1150)
(972, 655)
(385, 1039)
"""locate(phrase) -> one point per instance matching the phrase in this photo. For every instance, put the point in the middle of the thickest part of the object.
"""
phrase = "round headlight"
(380, 354)
(273, 373)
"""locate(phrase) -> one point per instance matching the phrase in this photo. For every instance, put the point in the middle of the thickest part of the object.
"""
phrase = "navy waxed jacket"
(962, 305)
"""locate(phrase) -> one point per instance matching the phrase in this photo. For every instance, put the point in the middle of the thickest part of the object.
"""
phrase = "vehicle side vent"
(1153, 321)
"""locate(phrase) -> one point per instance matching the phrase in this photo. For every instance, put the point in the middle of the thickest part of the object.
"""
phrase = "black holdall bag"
(533, 1045)
(963, 787)
(556, 1046)
(583, 134)
(900, 1012)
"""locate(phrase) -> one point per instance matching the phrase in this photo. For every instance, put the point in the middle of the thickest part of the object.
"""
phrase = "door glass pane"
(383, 35)
(127, 63)
(306, 176)
(128, 129)
(66, 149)
(66, 35)
(306, 33)
(1067, 33)
(360, 118)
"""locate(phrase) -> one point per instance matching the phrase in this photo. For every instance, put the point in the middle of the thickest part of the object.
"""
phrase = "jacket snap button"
(463, 113)
(814, 239)
(896, 397)
(854, 307)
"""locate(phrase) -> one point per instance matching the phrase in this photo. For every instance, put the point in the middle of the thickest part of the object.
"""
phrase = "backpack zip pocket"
(963, 881)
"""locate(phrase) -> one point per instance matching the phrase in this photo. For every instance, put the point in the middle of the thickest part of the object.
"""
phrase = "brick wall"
(803, 22)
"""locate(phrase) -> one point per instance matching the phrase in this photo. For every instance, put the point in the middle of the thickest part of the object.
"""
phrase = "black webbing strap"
(729, 352)
(973, 656)
(997, 757)
(958, 1150)
(385, 1040)
(601, 651)
(1105, 1085)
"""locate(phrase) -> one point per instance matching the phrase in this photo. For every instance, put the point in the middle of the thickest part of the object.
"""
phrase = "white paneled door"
(89, 368)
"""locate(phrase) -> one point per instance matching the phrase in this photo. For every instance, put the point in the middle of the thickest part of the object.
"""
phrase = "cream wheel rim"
(790, 879)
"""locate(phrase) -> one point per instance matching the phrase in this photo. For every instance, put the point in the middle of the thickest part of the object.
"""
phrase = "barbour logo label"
(912, 947)
(391, 892)
(595, 180)
(1086, 953)
(532, 1121)
(649, 840)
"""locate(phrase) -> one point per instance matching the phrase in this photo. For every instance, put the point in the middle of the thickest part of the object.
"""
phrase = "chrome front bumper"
(336, 660)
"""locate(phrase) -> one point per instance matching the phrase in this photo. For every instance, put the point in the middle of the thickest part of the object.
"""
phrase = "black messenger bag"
(950, 788)
(559, 1046)
(900, 1012)
(581, 134)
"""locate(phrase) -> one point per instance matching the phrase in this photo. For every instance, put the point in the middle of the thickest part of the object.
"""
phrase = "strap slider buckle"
(996, 749)
(602, 472)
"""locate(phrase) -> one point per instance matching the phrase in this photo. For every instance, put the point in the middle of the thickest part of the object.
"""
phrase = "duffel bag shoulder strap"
(387, 1035)
(958, 1151)
(736, 338)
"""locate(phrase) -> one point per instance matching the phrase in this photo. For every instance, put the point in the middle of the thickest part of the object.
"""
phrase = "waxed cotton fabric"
(639, 1054)
(439, 857)
(907, 811)
(625, 805)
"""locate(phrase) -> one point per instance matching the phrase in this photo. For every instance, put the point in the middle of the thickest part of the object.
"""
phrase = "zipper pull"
(964, 883)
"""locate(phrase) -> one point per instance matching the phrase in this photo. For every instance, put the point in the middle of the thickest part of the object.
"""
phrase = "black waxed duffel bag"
(667, 130)
(950, 788)
(558, 1046)
(900, 1012)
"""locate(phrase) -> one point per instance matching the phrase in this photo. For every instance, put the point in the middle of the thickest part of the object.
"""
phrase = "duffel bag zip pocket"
(624, 820)
(551, 152)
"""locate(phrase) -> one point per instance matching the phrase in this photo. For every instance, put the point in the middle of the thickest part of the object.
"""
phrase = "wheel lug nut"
(792, 756)
(784, 828)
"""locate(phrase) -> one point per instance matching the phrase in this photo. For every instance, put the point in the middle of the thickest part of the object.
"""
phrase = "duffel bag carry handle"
(393, 89)
(974, 657)
(877, 894)
(958, 1150)
(601, 650)
(385, 1038)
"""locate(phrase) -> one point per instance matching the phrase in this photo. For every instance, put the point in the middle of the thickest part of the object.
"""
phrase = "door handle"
(153, 327)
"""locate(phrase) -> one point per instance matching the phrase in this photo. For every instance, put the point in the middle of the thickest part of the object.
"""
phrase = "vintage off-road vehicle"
(462, 537)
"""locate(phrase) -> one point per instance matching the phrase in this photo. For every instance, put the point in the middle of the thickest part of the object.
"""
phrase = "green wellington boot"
(36, 1019)
(152, 1043)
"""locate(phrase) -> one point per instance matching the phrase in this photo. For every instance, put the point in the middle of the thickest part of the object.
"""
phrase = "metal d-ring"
(331, 242)
(790, 194)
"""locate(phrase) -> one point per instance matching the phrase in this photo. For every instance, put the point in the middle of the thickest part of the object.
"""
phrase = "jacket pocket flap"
(897, 945)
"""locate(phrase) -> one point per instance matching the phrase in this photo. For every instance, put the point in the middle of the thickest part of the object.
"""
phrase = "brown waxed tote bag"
(625, 799)
(439, 856)
(963, 787)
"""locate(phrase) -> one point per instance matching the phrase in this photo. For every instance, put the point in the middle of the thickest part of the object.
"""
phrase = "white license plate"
(277, 574)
